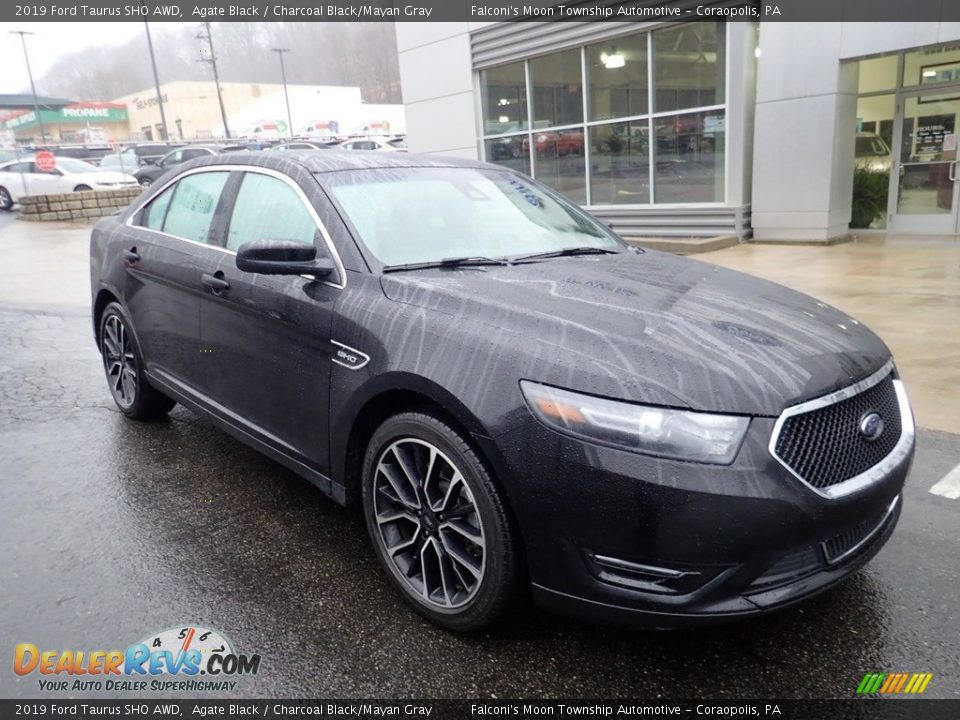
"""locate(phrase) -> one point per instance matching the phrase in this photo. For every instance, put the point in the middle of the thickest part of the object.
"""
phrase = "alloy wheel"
(428, 524)
(5, 200)
(120, 362)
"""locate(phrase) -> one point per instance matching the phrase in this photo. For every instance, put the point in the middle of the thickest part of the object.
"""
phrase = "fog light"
(650, 578)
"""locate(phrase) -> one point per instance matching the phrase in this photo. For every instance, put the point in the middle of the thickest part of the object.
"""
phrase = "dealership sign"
(81, 112)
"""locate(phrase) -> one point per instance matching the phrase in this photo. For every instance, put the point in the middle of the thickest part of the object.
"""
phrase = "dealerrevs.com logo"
(185, 659)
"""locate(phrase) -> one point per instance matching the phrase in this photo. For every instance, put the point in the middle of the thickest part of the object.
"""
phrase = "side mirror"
(282, 257)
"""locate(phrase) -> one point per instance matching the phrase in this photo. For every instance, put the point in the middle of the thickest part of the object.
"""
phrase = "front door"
(924, 184)
(266, 338)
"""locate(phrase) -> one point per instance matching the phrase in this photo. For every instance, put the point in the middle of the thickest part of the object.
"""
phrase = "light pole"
(156, 82)
(286, 95)
(216, 76)
(33, 88)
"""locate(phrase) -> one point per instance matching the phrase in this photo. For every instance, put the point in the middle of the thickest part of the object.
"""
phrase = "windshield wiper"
(587, 250)
(447, 263)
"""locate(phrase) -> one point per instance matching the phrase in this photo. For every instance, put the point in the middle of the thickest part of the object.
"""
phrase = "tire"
(123, 365)
(145, 182)
(471, 559)
(82, 188)
(6, 199)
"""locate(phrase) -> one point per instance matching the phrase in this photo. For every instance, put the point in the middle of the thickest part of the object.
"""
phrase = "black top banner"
(480, 11)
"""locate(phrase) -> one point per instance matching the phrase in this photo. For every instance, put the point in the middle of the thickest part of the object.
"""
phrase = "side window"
(192, 153)
(171, 159)
(21, 167)
(268, 209)
(194, 202)
(155, 213)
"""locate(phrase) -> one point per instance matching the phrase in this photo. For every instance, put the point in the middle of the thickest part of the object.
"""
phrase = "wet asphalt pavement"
(113, 529)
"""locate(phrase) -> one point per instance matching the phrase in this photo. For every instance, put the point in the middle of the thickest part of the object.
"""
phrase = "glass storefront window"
(558, 161)
(688, 69)
(557, 86)
(512, 152)
(641, 142)
(504, 99)
(931, 66)
(617, 78)
(689, 157)
(878, 74)
(620, 163)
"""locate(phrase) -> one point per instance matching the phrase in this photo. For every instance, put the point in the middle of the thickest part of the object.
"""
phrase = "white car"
(370, 143)
(23, 177)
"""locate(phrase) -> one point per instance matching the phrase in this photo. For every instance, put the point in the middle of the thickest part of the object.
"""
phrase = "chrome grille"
(821, 442)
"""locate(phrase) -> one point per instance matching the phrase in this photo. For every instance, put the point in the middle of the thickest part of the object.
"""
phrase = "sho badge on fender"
(349, 357)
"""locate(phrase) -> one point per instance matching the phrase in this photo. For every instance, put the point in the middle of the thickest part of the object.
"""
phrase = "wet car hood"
(655, 328)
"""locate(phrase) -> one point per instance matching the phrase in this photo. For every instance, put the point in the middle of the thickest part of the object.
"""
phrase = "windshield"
(871, 146)
(415, 215)
(72, 165)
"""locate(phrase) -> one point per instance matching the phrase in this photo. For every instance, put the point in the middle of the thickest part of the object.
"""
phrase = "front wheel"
(123, 365)
(6, 199)
(145, 182)
(438, 524)
(82, 188)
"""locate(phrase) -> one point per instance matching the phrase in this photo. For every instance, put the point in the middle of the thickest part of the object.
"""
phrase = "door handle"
(953, 171)
(132, 255)
(215, 282)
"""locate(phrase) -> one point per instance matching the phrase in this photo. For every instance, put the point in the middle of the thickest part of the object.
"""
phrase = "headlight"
(679, 434)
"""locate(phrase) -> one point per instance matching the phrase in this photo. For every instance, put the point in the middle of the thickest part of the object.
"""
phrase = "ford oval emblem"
(871, 426)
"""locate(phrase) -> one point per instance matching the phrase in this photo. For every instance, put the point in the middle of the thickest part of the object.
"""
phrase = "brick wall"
(88, 205)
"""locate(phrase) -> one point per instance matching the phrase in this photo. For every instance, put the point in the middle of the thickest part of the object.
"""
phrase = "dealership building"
(703, 129)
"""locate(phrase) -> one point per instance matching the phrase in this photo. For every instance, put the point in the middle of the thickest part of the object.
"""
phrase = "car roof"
(333, 160)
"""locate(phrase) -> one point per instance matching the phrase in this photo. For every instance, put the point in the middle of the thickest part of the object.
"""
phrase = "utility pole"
(156, 82)
(286, 95)
(33, 88)
(216, 76)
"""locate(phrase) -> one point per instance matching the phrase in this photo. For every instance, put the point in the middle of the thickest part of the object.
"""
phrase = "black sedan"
(147, 174)
(513, 396)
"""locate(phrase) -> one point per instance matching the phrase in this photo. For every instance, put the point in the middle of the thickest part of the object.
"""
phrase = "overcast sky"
(50, 41)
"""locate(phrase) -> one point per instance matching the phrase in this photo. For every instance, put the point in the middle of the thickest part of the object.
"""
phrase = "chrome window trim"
(334, 255)
(866, 538)
(871, 475)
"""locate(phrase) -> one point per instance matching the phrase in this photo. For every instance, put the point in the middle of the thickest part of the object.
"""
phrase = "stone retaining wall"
(88, 205)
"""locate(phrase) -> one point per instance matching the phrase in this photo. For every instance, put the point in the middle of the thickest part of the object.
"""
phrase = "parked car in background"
(144, 153)
(514, 398)
(298, 145)
(91, 153)
(152, 170)
(370, 143)
(872, 153)
(23, 177)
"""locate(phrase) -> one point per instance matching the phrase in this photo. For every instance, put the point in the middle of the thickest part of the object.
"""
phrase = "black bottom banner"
(868, 709)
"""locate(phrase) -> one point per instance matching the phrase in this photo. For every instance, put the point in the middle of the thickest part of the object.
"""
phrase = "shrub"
(870, 189)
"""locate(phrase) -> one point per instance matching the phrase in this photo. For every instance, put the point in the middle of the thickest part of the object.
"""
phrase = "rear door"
(266, 338)
(162, 289)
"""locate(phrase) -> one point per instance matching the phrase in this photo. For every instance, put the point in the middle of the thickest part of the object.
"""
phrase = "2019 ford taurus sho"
(514, 396)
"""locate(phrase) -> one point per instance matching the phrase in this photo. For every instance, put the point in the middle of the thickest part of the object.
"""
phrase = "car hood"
(655, 328)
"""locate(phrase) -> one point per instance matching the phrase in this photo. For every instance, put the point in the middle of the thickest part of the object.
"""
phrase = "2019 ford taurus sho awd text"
(514, 396)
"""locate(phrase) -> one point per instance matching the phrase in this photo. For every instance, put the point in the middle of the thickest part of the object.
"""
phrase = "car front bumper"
(617, 537)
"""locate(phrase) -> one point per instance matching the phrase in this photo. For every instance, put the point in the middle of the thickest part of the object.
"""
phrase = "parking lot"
(115, 529)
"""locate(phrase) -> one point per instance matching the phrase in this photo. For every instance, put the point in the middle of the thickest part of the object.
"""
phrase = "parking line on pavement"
(949, 485)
